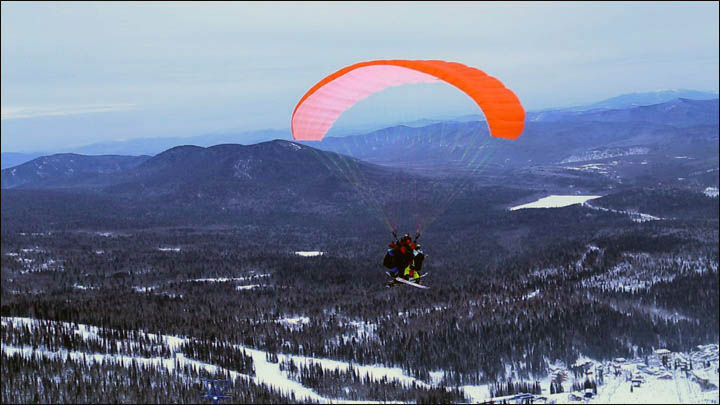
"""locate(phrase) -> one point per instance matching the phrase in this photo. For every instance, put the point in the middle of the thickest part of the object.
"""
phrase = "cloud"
(11, 113)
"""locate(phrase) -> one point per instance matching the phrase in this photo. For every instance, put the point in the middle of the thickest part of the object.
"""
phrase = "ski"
(393, 277)
(402, 280)
(393, 282)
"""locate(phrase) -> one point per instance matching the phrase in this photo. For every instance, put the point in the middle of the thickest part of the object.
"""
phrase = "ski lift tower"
(216, 390)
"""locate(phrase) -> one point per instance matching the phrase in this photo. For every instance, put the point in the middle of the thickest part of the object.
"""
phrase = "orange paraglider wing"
(323, 104)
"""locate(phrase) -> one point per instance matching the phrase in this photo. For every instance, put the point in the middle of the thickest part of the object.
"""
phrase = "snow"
(711, 192)
(363, 330)
(169, 249)
(294, 322)
(247, 287)
(143, 289)
(309, 253)
(635, 216)
(606, 153)
(556, 201)
(226, 279)
(531, 295)
(476, 393)
(590, 167)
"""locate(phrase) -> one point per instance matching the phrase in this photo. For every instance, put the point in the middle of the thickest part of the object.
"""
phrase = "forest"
(517, 289)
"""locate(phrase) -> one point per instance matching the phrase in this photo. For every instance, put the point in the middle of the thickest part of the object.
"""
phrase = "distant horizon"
(344, 131)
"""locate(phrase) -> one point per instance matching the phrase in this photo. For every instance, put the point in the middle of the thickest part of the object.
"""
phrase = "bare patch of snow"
(606, 154)
(711, 192)
(296, 322)
(143, 289)
(247, 287)
(309, 253)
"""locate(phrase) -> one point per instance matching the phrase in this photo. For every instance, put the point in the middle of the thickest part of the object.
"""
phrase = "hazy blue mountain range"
(663, 142)
(152, 146)
(676, 128)
(656, 97)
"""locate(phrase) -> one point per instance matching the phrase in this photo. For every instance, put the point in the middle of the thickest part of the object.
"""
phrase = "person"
(413, 269)
(404, 258)
(398, 256)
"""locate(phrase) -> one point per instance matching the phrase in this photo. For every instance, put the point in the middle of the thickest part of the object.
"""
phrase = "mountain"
(229, 175)
(676, 141)
(277, 182)
(679, 112)
(66, 169)
(649, 98)
(273, 170)
(544, 140)
(152, 146)
(10, 159)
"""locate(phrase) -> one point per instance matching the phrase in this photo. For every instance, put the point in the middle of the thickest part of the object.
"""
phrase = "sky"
(82, 72)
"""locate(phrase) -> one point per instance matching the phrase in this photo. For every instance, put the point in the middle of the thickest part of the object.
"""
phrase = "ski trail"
(270, 374)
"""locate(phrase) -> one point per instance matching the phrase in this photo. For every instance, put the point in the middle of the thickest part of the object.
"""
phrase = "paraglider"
(325, 102)
(321, 106)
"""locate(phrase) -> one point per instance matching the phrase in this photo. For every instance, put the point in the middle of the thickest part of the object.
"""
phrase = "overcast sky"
(77, 73)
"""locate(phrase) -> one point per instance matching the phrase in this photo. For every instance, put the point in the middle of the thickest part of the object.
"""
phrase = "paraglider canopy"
(323, 104)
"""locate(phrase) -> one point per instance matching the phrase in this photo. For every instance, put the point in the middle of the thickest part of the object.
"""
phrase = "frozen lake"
(556, 201)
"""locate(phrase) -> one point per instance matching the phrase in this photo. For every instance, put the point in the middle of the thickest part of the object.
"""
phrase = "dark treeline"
(219, 353)
(501, 389)
(351, 384)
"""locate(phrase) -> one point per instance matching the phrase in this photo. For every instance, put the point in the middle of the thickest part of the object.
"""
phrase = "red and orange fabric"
(323, 104)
